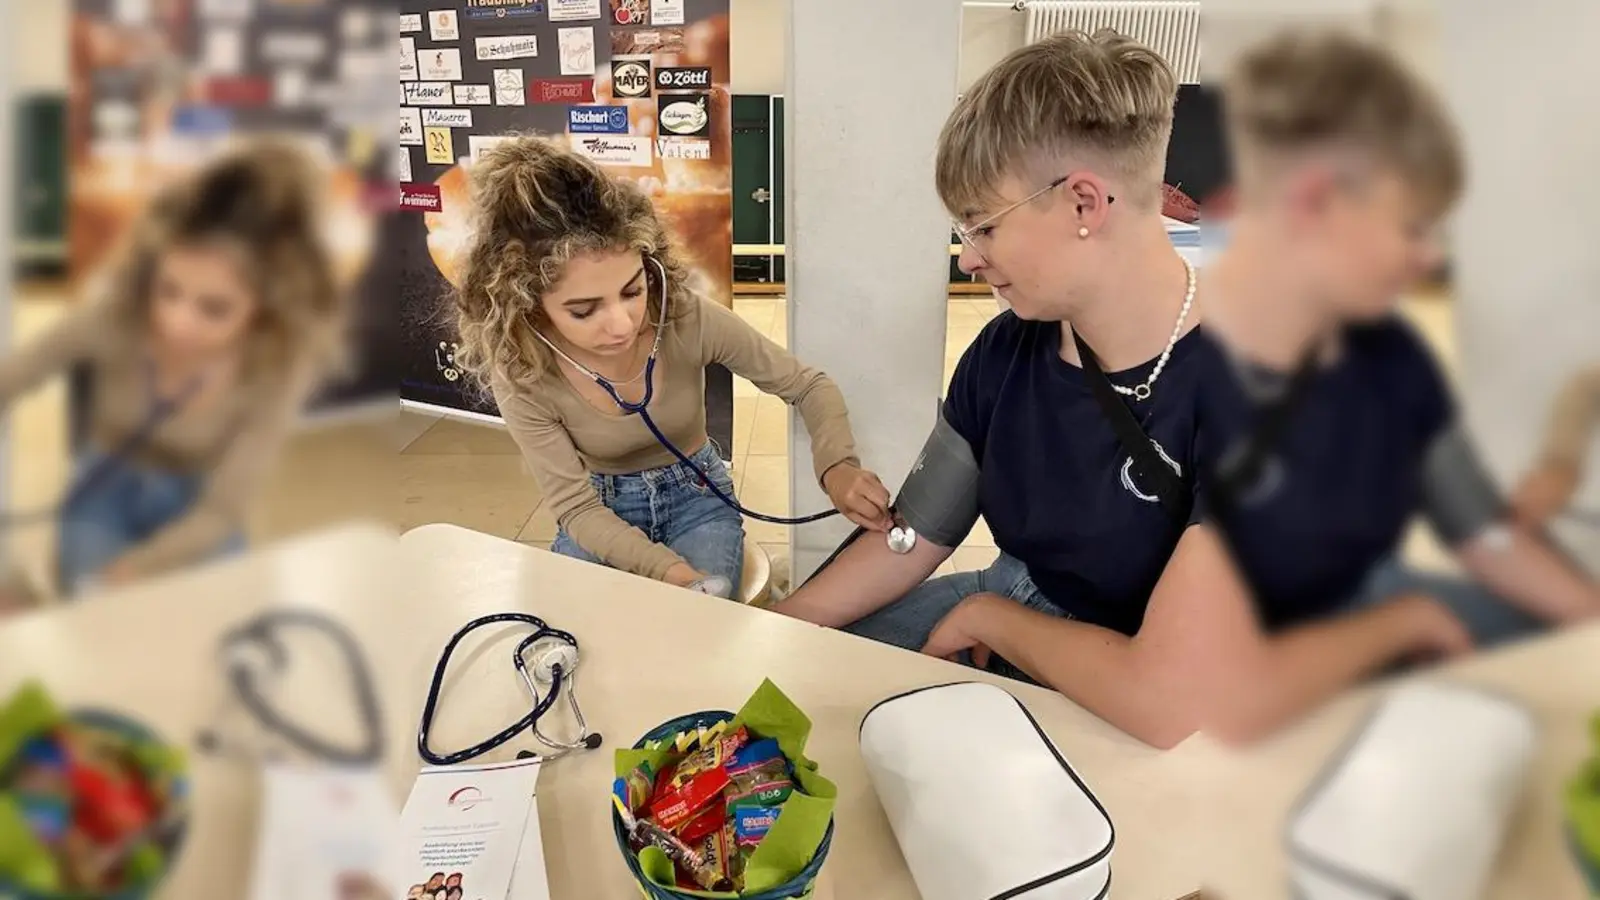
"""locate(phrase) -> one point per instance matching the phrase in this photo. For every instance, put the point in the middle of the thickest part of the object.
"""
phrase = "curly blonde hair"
(536, 205)
(259, 201)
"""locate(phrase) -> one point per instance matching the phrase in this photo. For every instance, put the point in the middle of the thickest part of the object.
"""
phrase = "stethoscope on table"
(255, 651)
(901, 537)
(555, 666)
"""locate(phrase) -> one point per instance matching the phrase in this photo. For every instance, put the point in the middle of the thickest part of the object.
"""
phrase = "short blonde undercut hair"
(1304, 91)
(1068, 95)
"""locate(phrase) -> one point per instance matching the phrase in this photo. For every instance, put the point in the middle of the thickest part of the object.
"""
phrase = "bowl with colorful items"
(725, 805)
(1583, 812)
(92, 805)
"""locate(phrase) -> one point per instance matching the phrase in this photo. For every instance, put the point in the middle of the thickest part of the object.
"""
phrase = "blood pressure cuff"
(1416, 806)
(939, 499)
(981, 802)
(1459, 497)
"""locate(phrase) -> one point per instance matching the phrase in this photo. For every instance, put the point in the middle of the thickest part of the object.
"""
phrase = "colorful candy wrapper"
(709, 819)
(768, 784)
(751, 824)
(711, 756)
(679, 806)
(686, 858)
(635, 789)
(721, 854)
(753, 755)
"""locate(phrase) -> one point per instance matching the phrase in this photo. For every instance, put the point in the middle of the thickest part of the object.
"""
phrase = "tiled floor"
(471, 474)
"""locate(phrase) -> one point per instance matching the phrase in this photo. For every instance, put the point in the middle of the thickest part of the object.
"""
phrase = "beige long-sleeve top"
(564, 438)
(1574, 419)
(228, 438)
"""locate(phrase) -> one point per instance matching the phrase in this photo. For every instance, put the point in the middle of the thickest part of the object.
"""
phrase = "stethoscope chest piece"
(548, 655)
(902, 539)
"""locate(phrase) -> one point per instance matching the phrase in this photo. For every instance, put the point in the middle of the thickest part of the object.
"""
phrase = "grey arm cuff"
(939, 499)
(1459, 498)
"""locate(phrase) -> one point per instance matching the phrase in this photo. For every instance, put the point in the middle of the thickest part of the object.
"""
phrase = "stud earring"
(1083, 232)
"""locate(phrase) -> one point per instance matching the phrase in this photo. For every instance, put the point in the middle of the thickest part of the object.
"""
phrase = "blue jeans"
(672, 506)
(1489, 618)
(909, 621)
(124, 506)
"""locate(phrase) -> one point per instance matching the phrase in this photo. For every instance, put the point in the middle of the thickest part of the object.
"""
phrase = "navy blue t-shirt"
(1055, 484)
(1337, 491)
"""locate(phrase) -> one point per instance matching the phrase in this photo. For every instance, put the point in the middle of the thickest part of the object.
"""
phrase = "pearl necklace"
(1143, 391)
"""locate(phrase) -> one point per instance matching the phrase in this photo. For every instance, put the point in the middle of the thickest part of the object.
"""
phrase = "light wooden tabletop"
(1196, 815)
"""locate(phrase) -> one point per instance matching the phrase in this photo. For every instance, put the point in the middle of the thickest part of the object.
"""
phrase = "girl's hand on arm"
(682, 575)
(859, 495)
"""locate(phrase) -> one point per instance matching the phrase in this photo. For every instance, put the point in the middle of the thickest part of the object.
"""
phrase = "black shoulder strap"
(1147, 462)
(1236, 474)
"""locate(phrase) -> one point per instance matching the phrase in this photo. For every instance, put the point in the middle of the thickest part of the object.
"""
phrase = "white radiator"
(1169, 27)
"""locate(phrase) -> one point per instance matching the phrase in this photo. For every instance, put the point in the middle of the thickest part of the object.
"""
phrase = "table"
(1196, 815)
(652, 653)
(1557, 677)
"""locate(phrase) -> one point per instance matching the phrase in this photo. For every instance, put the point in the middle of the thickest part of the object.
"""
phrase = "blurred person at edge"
(202, 342)
(1346, 163)
(570, 264)
(1574, 422)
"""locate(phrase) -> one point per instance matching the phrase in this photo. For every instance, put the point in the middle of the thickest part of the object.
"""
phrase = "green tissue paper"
(797, 834)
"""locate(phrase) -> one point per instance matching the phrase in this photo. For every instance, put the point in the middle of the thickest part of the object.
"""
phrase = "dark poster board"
(606, 75)
(158, 86)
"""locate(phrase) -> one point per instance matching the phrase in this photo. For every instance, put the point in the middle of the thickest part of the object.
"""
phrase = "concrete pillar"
(1527, 275)
(867, 238)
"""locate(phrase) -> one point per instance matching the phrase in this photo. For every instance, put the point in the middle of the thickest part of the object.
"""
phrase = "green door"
(752, 185)
(778, 195)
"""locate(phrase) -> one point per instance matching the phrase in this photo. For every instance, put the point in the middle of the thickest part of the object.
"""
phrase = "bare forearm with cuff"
(865, 578)
(1530, 575)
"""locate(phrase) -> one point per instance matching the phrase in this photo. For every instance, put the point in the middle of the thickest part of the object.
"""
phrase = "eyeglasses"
(971, 234)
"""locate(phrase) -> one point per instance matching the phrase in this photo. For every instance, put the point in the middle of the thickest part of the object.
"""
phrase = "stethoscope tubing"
(262, 631)
(504, 735)
(642, 410)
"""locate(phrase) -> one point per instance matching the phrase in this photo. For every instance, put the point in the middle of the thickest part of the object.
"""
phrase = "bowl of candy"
(725, 805)
(1582, 803)
(92, 805)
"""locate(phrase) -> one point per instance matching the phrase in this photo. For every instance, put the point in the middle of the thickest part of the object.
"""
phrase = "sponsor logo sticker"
(439, 65)
(447, 118)
(473, 95)
(421, 197)
(684, 115)
(410, 127)
(628, 150)
(631, 77)
(502, 9)
(683, 78)
(443, 25)
(630, 12)
(574, 10)
(597, 119)
(511, 46)
(427, 93)
(508, 88)
(683, 148)
(561, 90)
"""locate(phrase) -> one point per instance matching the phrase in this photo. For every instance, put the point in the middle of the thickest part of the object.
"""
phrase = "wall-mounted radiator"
(1170, 27)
